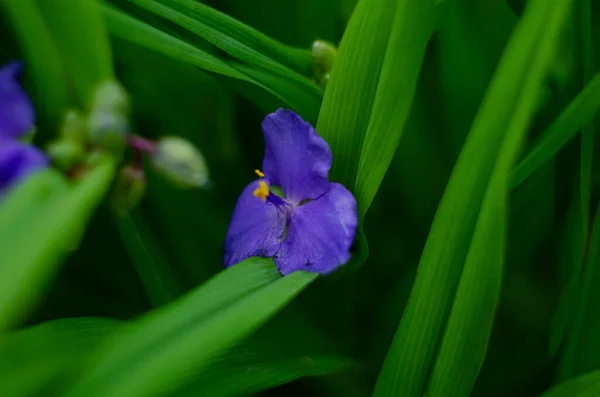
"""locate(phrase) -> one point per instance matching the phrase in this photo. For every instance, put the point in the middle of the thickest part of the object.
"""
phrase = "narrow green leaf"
(412, 352)
(412, 28)
(465, 340)
(34, 358)
(295, 58)
(226, 43)
(42, 58)
(181, 338)
(80, 36)
(137, 32)
(351, 89)
(28, 264)
(577, 114)
(587, 385)
(228, 375)
(155, 273)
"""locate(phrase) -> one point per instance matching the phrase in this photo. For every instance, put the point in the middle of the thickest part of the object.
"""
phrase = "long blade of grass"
(226, 43)
(42, 56)
(412, 28)
(350, 92)
(412, 352)
(27, 264)
(181, 338)
(78, 29)
(468, 330)
(295, 58)
(587, 385)
(131, 29)
(577, 114)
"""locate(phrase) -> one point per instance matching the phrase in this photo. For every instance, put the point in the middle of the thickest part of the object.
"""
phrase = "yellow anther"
(262, 191)
(259, 173)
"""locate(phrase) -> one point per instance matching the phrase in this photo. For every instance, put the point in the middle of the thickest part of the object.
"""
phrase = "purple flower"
(313, 225)
(17, 160)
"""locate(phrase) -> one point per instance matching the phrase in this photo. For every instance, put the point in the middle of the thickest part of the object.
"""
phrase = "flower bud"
(108, 121)
(73, 126)
(323, 56)
(129, 188)
(180, 162)
(66, 153)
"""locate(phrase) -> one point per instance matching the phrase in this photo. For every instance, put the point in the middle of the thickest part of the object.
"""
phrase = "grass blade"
(81, 38)
(577, 114)
(42, 58)
(412, 352)
(28, 264)
(587, 385)
(183, 337)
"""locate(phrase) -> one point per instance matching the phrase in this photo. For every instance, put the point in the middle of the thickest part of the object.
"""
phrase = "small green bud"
(129, 188)
(66, 153)
(108, 121)
(73, 126)
(323, 56)
(180, 162)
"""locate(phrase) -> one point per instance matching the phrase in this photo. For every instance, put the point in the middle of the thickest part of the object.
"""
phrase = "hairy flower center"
(263, 192)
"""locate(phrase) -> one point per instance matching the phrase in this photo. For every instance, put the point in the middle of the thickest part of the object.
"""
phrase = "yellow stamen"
(262, 191)
(259, 173)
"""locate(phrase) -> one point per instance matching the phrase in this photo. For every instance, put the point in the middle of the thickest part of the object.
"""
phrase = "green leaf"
(465, 341)
(80, 36)
(412, 28)
(587, 385)
(35, 358)
(42, 57)
(28, 264)
(412, 353)
(244, 36)
(181, 338)
(250, 368)
(157, 276)
(135, 31)
(577, 114)
(351, 89)
(225, 42)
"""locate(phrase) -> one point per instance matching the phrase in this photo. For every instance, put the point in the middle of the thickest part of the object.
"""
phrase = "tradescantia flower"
(312, 226)
(17, 159)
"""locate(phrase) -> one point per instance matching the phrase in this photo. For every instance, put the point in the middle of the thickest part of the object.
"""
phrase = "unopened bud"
(66, 153)
(180, 162)
(108, 121)
(129, 188)
(73, 126)
(323, 56)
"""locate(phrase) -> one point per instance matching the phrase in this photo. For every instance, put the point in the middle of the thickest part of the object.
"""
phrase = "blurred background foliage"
(341, 326)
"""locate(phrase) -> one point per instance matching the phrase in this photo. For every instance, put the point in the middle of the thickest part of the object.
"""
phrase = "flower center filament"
(263, 192)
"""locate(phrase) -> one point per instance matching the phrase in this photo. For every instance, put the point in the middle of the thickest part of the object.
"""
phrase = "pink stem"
(140, 144)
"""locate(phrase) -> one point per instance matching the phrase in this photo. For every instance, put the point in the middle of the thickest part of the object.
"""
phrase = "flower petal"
(255, 230)
(296, 158)
(320, 234)
(17, 161)
(16, 111)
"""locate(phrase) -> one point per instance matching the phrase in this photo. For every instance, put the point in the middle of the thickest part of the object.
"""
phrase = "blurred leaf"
(411, 355)
(243, 35)
(156, 274)
(80, 36)
(28, 263)
(583, 386)
(42, 58)
(165, 346)
(35, 358)
(223, 41)
(578, 113)
(131, 29)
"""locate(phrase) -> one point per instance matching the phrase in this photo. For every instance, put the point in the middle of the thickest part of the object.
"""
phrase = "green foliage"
(487, 258)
